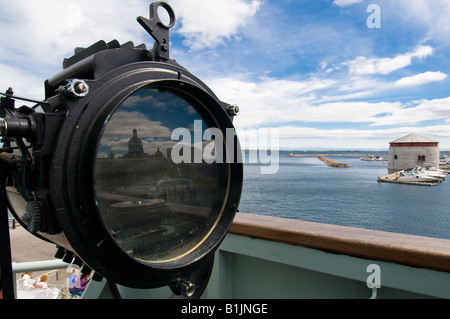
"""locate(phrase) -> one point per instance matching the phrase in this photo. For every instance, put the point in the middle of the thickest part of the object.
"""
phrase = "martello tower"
(412, 150)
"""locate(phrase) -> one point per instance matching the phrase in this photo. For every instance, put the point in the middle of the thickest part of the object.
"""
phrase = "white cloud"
(127, 121)
(207, 23)
(420, 79)
(268, 101)
(348, 112)
(279, 103)
(297, 137)
(345, 3)
(367, 66)
(423, 110)
(46, 31)
(40, 34)
(23, 83)
(429, 16)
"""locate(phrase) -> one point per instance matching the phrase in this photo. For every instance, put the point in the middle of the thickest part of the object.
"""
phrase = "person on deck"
(25, 281)
(79, 285)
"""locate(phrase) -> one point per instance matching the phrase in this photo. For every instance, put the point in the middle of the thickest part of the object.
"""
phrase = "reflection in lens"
(155, 210)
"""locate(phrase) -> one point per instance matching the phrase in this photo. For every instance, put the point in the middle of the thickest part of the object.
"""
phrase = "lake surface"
(307, 189)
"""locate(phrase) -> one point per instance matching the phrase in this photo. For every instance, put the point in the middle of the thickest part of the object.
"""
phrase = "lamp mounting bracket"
(158, 29)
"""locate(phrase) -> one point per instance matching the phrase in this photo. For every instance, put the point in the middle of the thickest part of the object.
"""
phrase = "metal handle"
(158, 30)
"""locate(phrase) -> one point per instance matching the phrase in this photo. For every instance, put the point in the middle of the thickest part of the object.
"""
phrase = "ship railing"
(270, 257)
(52, 266)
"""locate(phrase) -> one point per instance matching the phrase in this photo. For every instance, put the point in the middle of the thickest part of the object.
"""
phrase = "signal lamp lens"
(156, 210)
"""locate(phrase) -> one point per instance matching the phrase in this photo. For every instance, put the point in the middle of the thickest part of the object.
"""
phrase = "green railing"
(267, 257)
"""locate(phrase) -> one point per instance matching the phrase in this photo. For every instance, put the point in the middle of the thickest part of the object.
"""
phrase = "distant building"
(135, 147)
(412, 150)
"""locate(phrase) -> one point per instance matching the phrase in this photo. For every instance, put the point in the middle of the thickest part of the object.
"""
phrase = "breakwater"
(331, 162)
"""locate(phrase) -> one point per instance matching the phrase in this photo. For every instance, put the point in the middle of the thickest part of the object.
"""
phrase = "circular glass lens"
(158, 176)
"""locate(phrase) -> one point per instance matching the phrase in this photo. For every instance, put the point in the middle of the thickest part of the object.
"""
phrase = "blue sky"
(312, 69)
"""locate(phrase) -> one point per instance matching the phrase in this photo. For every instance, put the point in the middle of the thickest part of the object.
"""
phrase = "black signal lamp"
(91, 168)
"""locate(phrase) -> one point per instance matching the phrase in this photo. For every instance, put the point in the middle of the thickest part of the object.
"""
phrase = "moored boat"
(373, 158)
(414, 176)
(427, 172)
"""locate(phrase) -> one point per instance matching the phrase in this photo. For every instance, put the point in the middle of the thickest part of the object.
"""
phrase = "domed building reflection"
(135, 147)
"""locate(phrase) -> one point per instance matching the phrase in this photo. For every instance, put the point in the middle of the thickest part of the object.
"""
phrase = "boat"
(427, 172)
(433, 173)
(414, 176)
(443, 160)
(431, 168)
(373, 158)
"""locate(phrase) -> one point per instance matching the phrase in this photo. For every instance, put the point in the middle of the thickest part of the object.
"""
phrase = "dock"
(332, 163)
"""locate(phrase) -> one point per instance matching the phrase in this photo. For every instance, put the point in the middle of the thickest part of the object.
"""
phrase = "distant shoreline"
(328, 155)
(334, 152)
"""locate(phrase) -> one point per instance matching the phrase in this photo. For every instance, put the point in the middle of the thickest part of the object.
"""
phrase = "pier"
(331, 163)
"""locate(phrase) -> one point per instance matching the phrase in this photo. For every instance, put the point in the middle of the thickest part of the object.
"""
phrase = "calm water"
(306, 189)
